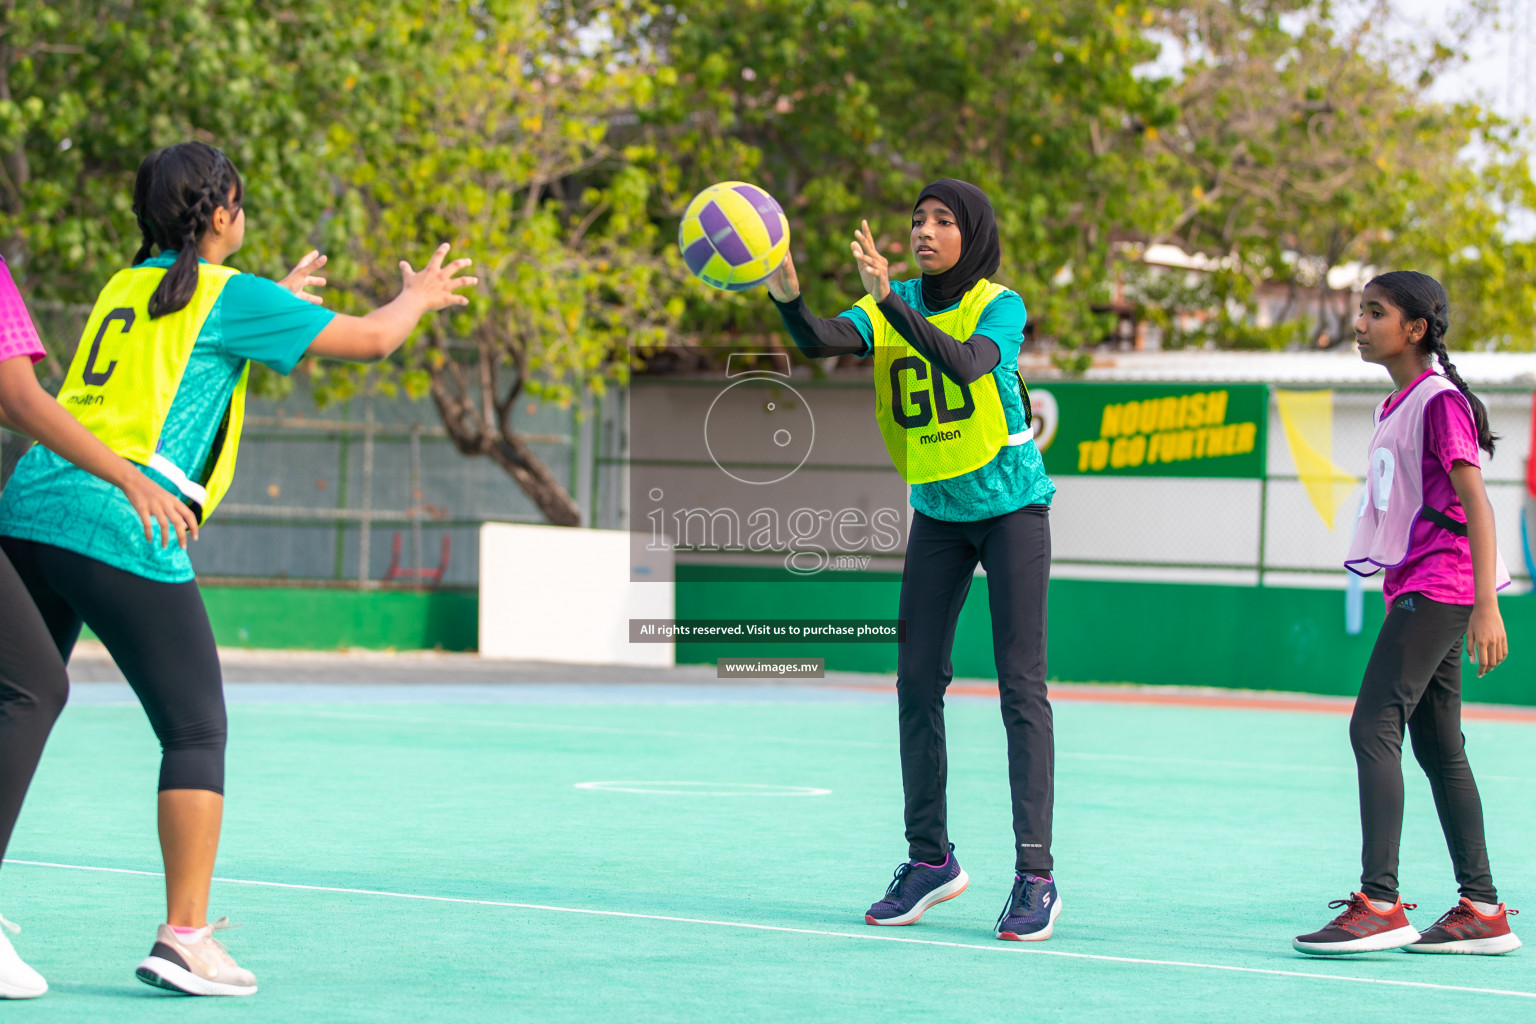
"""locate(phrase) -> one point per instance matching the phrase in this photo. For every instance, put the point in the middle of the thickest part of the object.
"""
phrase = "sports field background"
(417, 848)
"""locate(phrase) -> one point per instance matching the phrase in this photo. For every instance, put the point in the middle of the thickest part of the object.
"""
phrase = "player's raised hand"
(304, 275)
(436, 285)
(784, 284)
(874, 269)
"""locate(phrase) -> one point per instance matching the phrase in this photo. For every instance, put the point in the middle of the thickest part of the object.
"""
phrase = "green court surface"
(429, 853)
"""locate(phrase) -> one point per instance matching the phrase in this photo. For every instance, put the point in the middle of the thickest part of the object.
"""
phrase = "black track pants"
(158, 633)
(33, 688)
(1414, 678)
(1015, 550)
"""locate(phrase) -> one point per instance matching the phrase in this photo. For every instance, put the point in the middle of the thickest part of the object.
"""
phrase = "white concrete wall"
(550, 593)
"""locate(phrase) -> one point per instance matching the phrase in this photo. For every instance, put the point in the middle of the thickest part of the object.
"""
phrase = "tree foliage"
(515, 157)
(1302, 143)
(89, 87)
(845, 108)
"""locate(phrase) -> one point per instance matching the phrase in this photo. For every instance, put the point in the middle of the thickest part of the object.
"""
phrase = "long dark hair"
(174, 197)
(1421, 297)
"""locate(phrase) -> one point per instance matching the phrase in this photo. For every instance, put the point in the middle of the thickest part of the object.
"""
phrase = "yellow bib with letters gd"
(127, 370)
(935, 429)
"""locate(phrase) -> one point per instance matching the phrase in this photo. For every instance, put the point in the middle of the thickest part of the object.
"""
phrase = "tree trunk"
(534, 477)
(485, 428)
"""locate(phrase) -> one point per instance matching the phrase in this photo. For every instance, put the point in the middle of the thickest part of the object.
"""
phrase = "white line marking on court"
(860, 936)
(695, 788)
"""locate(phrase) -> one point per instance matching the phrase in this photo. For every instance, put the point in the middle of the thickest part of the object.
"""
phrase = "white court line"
(609, 730)
(861, 936)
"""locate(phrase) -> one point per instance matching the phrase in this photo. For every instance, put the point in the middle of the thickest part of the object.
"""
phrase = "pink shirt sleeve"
(1449, 432)
(18, 336)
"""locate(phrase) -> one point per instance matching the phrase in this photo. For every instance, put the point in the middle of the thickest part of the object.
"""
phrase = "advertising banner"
(1116, 429)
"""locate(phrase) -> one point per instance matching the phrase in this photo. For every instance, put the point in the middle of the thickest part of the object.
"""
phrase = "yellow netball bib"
(127, 370)
(935, 429)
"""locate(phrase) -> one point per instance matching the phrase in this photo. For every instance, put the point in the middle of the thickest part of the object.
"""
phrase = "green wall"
(321, 619)
(1160, 634)
(1261, 638)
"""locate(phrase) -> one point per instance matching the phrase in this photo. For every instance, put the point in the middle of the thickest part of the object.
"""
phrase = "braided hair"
(1421, 297)
(174, 197)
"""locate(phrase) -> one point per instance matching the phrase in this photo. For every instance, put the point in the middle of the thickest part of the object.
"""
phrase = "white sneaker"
(197, 964)
(17, 980)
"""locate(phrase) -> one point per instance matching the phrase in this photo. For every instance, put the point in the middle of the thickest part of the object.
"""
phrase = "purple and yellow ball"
(733, 235)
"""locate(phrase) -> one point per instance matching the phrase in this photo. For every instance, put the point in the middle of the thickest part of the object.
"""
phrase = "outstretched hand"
(304, 276)
(435, 285)
(874, 269)
(784, 284)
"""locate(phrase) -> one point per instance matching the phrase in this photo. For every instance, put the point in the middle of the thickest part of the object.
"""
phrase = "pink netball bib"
(18, 337)
(1394, 485)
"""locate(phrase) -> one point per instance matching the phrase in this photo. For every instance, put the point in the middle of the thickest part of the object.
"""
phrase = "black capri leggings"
(158, 633)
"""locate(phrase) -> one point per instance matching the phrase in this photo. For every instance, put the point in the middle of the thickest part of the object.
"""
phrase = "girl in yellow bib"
(955, 419)
(160, 377)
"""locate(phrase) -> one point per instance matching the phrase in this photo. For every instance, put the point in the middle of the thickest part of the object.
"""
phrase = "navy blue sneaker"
(916, 887)
(1031, 911)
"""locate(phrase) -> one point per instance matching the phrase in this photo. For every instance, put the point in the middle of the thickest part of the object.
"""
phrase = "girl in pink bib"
(1425, 520)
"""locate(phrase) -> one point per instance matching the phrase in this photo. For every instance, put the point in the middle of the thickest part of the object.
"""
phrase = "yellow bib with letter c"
(127, 369)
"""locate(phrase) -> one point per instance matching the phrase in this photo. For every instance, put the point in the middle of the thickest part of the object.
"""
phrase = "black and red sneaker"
(1465, 929)
(1360, 928)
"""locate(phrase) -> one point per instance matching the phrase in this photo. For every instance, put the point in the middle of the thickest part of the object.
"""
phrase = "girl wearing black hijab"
(955, 418)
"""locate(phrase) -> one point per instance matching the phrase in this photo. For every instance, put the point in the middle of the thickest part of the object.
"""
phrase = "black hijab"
(980, 252)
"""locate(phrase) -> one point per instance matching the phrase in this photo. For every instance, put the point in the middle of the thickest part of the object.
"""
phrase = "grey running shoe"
(197, 964)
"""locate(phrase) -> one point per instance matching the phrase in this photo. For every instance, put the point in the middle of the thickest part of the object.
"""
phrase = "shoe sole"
(1394, 939)
(948, 891)
(162, 973)
(1039, 936)
(17, 992)
(1492, 945)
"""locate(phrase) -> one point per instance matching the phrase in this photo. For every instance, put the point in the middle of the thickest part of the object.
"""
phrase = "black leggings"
(158, 633)
(1414, 678)
(1015, 550)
